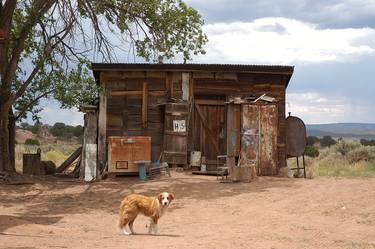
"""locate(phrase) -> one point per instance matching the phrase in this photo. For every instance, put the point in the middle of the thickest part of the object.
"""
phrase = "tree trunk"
(12, 139)
(5, 158)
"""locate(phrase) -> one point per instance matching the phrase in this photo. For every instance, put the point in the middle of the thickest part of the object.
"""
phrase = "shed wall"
(125, 91)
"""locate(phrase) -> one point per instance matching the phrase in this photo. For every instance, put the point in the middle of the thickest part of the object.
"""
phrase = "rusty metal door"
(268, 140)
(259, 137)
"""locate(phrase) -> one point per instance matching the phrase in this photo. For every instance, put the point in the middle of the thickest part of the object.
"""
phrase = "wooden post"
(168, 80)
(144, 105)
(89, 149)
(185, 86)
(102, 125)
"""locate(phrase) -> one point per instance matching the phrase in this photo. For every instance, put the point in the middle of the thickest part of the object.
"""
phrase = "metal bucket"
(195, 158)
(142, 172)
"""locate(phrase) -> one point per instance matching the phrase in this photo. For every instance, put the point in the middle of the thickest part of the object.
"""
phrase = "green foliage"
(61, 130)
(311, 151)
(31, 141)
(327, 141)
(58, 129)
(55, 156)
(78, 131)
(345, 146)
(361, 153)
(57, 39)
(33, 128)
(366, 142)
(312, 140)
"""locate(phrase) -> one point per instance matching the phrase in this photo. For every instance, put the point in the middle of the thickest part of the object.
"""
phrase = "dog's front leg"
(155, 225)
(156, 230)
(151, 227)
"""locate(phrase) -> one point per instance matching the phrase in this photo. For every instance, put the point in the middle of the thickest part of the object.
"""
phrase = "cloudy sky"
(330, 43)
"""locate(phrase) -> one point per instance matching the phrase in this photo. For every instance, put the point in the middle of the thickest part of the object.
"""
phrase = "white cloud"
(52, 114)
(284, 41)
(317, 108)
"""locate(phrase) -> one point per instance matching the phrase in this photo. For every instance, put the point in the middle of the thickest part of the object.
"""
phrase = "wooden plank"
(233, 130)
(144, 105)
(209, 102)
(89, 137)
(185, 86)
(102, 126)
(209, 132)
(91, 172)
(125, 93)
(168, 80)
(191, 88)
(136, 93)
(69, 160)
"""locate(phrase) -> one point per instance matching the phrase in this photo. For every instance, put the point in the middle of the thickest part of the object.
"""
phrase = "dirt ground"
(267, 213)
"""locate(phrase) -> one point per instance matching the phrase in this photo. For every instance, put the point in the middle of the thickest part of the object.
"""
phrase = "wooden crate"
(124, 150)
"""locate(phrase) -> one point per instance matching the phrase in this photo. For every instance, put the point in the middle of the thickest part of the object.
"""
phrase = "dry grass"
(345, 159)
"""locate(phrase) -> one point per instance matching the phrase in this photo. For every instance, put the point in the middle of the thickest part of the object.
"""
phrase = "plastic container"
(195, 158)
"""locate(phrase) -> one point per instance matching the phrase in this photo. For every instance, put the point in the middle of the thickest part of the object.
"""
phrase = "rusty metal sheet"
(124, 150)
(259, 137)
(295, 136)
(268, 140)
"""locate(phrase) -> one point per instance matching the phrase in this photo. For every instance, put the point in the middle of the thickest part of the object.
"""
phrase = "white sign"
(179, 126)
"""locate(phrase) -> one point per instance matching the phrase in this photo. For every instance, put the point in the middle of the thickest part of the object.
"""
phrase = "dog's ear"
(160, 197)
(172, 196)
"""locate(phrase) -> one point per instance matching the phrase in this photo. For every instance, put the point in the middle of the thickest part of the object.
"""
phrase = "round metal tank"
(295, 136)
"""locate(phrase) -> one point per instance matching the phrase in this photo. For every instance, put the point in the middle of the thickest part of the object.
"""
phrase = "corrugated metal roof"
(193, 67)
(235, 68)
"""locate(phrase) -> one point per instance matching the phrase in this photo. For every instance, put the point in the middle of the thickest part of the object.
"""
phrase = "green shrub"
(366, 142)
(362, 153)
(312, 140)
(327, 141)
(311, 151)
(55, 156)
(345, 146)
(31, 141)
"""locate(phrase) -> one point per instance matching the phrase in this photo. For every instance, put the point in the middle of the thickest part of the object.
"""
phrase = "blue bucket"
(142, 172)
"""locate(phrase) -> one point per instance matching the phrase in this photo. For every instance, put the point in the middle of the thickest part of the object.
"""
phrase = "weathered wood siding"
(135, 104)
(129, 113)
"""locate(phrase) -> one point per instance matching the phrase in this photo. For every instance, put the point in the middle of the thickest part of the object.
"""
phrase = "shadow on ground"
(50, 199)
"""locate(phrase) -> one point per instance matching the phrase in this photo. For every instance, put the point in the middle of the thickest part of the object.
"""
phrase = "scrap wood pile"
(71, 166)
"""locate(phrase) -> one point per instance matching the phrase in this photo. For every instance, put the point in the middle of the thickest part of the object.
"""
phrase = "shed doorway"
(208, 131)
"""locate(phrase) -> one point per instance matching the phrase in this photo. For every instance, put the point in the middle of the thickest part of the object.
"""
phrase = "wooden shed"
(217, 109)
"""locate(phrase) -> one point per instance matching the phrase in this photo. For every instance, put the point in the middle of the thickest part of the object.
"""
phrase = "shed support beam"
(185, 86)
(144, 104)
(102, 127)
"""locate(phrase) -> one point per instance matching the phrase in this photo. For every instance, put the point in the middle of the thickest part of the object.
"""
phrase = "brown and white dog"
(153, 207)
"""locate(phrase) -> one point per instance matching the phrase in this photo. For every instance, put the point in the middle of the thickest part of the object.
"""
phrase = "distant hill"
(345, 130)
